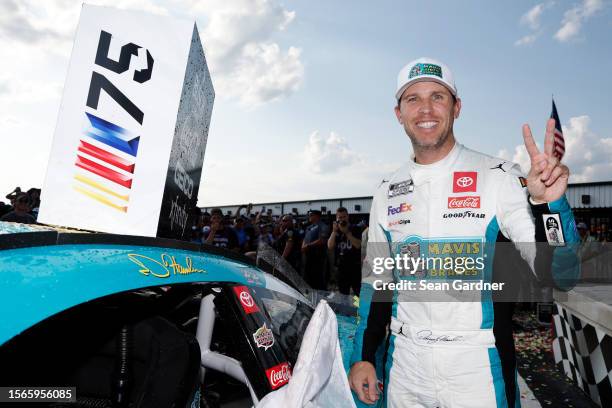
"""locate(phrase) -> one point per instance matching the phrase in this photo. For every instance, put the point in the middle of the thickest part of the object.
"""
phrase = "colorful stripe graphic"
(95, 184)
(96, 168)
(106, 156)
(112, 135)
(106, 162)
(100, 198)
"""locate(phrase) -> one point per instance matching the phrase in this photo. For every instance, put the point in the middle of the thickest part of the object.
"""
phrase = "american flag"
(559, 142)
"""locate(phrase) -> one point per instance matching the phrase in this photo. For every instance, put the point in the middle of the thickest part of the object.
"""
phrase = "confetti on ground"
(536, 364)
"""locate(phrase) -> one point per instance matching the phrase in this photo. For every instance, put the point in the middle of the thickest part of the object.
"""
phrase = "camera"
(342, 223)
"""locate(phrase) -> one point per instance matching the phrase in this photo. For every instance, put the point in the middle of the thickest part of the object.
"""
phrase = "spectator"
(205, 219)
(265, 234)
(13, 195)
(34, 195)
(288, 243)
(251, 231)
(314, 249)
(21, 209)
(218, 234)
(241, 234)
(196, 228)
(345, 241)
(605, 235)
(585, 235)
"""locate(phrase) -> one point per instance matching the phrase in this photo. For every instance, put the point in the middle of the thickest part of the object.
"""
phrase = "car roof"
(46, 270)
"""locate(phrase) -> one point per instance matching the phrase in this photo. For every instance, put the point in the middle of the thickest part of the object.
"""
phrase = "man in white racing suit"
(449, 199)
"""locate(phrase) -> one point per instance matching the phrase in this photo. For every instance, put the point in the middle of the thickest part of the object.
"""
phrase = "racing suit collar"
(423, 173)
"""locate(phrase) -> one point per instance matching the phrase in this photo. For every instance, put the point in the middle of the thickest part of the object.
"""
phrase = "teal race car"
(126, 321)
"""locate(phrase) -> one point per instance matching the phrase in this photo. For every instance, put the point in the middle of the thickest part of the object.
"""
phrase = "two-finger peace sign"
(547, 178)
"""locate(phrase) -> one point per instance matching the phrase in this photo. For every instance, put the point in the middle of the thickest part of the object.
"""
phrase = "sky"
(305, 89)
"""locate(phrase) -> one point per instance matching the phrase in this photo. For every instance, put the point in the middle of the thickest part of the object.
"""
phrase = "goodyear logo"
(425, 69)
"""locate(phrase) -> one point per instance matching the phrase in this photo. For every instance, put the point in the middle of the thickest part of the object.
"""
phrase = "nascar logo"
(106, 154)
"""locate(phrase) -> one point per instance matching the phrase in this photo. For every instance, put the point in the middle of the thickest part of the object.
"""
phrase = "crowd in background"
(325, 249)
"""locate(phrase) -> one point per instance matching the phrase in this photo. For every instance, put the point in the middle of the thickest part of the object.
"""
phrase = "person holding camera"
(219, 235)
(345, 241)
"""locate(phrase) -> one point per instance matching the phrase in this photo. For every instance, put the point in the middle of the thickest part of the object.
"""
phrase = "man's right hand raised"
(362, 379)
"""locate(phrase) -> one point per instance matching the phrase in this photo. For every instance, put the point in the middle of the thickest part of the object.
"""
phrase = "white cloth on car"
(318, 379)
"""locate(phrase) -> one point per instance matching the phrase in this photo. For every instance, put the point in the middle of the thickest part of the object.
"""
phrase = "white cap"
(425, 69)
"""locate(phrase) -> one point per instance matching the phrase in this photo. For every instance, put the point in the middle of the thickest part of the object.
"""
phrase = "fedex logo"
(106, 154)
(403, 207)
(464, 181)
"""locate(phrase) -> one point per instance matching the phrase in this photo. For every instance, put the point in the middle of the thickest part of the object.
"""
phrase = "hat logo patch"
(425, 69)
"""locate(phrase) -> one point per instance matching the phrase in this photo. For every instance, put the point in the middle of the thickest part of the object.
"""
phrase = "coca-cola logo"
(278, 375)
(464, 202)
(464, 181)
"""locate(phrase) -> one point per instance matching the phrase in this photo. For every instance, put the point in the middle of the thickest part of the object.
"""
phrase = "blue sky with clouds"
(304, 106)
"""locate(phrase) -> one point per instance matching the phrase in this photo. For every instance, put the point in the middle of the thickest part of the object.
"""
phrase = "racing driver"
(444, 354)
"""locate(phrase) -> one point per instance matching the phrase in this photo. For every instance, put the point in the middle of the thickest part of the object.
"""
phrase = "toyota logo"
(465, 181)
(246, 299)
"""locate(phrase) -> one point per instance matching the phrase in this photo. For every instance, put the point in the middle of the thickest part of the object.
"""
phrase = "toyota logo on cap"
(464, 181)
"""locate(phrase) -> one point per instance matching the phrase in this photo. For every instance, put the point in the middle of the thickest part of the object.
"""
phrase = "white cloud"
(532, 17)
(532, 20)
(233, 24)
(263, 73)
(328, 154)
(525, 40)
(245, 63)
(574, 18)
(586, 154)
